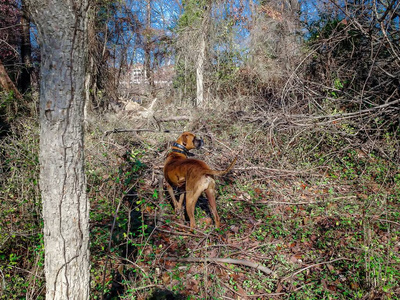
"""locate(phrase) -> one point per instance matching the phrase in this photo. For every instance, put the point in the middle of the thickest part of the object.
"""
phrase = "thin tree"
(147, 48)
(62, 27)
(201, 56)
(192, 46)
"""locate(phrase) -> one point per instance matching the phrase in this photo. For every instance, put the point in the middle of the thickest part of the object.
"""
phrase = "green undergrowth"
(322, 214)
(21, 240)
(320, 211)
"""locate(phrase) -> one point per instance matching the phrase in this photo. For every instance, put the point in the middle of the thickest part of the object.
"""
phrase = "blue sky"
(165, 15)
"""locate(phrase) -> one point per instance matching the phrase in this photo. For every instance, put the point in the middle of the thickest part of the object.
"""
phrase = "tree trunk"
(147, 50)
(200, 71)
(201, 57)
(62, 27)
(90, 79)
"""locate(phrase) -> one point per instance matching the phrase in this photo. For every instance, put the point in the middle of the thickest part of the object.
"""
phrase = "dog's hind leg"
(210, 193)
(193, 194)
(191, 199)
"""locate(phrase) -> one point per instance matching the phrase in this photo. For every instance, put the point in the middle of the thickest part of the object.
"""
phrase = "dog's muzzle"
(198, 143)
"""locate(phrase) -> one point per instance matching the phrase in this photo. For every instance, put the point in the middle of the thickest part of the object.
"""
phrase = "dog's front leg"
(179, 209)
(181, 198)
(177, 205)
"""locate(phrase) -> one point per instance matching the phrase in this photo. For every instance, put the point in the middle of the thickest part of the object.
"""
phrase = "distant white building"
(164, 75)
(136, 74)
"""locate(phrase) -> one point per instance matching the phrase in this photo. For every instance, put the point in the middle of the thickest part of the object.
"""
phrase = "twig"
(180, 232)
(138, 267)
(389, 221)
(314, 265)
(272, 202)
(3, 283)
(344, 197)
(176, 232)
(161, 188)
(225, 260)
(344, 115)
(265, 169)
(147, 287)
(282, 202)
(232, 290)
(260, 168)
(265, 295)
(109, 244)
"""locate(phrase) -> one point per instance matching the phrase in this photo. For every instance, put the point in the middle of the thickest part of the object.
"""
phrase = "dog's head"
(190, 141)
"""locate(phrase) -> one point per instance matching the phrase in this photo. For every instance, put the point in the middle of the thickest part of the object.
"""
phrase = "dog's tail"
(222, 172)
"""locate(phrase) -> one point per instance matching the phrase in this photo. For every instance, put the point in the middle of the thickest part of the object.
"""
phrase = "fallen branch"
(177, 118)
(121, 130)
(242, 262)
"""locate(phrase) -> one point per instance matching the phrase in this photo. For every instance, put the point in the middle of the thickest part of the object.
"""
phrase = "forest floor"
(303, 217)
(306, 213)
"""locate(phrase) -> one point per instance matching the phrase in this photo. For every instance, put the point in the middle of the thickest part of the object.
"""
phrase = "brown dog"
(191, 175)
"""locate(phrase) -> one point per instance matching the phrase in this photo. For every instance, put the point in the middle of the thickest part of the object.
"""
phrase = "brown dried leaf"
(166, 278)
(169, 264)
(194, 286)
(279, 288)
(297, 258)
(354, 286)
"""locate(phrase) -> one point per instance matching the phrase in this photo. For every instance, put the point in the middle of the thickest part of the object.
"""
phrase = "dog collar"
(183, 149)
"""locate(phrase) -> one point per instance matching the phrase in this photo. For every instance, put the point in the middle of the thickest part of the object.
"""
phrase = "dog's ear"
(184, 140)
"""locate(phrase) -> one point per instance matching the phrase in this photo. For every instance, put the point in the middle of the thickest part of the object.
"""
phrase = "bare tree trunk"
(200, 71)
(88, 85)
(147, 50)
(202, 56)
(90, 79)
(62, 27)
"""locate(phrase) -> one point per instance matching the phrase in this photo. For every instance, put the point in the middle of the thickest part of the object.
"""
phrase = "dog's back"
(177, 168)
